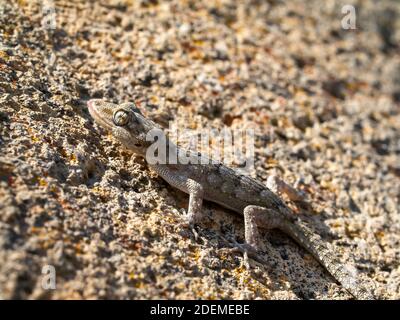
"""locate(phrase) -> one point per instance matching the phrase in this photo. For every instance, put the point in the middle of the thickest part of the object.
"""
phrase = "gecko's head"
(125, 121)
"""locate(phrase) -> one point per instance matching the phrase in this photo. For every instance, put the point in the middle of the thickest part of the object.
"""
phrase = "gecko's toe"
(188, 225)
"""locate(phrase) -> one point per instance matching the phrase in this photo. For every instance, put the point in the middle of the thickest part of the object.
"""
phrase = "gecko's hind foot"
(245, 249)
(277, 185)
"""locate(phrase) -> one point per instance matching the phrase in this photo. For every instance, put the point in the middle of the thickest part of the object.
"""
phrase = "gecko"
(260, 205)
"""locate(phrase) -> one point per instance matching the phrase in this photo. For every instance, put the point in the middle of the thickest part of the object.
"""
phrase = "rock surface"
(324, 102)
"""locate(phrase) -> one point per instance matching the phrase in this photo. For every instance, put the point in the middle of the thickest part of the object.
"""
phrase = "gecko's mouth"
(100, 114)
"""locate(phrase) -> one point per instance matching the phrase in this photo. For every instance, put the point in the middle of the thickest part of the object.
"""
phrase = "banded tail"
(312, 243)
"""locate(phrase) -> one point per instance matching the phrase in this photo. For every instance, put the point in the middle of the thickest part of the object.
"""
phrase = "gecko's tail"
(346, 276)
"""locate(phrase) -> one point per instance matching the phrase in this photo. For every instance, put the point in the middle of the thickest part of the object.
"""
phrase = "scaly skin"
(215, 182)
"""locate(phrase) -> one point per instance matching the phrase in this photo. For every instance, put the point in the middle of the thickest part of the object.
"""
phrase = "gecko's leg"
(256, 217)
(187, 185)
(195, 190)
(277, 185)
(194, 213)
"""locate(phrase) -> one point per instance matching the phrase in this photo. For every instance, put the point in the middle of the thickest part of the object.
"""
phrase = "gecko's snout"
(97, 108)
(92, 103)
(101, 112)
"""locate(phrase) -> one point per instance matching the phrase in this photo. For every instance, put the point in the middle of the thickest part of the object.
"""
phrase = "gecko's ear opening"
(132, 106)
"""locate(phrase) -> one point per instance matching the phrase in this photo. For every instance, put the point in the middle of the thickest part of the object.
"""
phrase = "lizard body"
(261, 207)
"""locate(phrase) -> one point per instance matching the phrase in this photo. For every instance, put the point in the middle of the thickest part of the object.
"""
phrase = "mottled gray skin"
(215, 182)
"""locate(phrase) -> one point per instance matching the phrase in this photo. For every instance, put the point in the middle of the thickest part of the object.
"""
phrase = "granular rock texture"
(324, 101)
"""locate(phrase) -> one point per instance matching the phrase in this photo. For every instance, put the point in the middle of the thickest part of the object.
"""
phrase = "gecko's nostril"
(90, 104)
(93, 102)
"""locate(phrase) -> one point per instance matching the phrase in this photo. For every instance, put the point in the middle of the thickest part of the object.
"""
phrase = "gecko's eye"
(121, 118)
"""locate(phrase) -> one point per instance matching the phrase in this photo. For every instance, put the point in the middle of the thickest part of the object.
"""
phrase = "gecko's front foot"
(188, 223)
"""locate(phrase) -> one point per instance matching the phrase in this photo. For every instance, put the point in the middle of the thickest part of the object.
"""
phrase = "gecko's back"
(224, 185)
